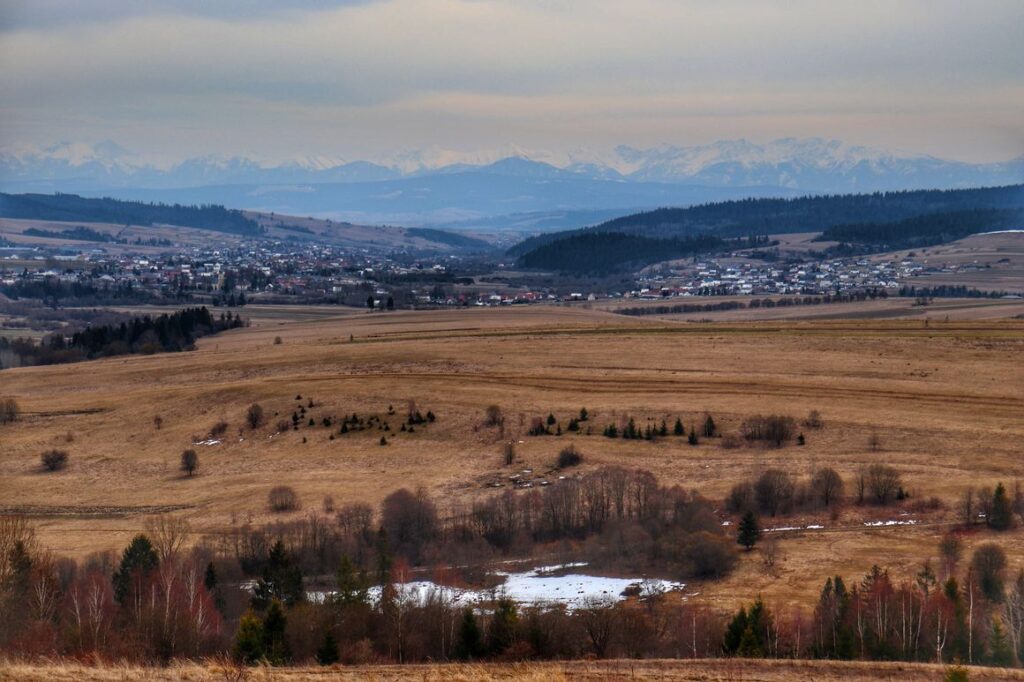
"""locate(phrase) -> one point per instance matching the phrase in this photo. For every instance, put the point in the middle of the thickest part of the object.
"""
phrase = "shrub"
(989, 562)
(277, 341)
(218, 429)
(508, 453)
(813, 420)
(569, 457)
(774, 492)
(493, 416)
(730, 442)
(189, 462)
(774, 429)
(881, 482)
(54, 460)
(254, 416)
(9, 410)
(741, 498)
(158, 422)
(282, 498)
(827, 486)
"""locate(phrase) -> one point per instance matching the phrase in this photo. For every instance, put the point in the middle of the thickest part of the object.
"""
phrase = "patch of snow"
(209, 441)
(892, 522)
(534, 587)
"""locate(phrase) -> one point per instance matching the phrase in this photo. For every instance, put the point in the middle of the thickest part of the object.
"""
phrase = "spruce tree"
(501, 631)
(470, 645)
(350, 586)
(327, 652)
(999, 645)
(249, 639)
(280, 580)
(138, 559)
(748, 531)
(275, 643)
(709, 427)
(1001, 515)
(210, 577)
(678, 429)
(734, 632)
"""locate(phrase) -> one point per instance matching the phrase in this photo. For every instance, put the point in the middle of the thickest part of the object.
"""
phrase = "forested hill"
(803, 214)
(71, 207)
(925, 230)
(606, 252)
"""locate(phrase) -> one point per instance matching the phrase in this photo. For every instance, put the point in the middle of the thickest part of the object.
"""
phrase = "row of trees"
(157, 602)
(73, 208)
(617, 517)
(924, 230)
(168, 332)
(776, 492)
(790, 215)
(974, 618)
(677, 308)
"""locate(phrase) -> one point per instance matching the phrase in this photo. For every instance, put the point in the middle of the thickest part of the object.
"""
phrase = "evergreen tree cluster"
(783, 216)
(599, 253)
(73, 208)
(924, 230)
(165, 333)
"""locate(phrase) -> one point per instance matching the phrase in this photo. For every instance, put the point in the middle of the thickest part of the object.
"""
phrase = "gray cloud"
(933, 73)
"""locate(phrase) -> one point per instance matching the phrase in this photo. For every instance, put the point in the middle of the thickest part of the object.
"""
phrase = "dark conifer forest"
(71, 207)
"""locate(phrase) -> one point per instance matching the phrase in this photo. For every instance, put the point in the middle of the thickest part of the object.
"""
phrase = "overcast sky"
(366, 78)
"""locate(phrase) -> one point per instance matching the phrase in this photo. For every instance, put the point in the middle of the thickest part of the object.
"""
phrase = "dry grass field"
(984, 261)
(589, 671)
(13, 230)
(947, 401)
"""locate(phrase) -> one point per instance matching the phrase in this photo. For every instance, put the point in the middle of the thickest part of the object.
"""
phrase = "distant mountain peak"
(801, 164)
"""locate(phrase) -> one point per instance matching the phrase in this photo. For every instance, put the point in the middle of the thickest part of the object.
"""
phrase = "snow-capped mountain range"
(811, 164)
(438, 185)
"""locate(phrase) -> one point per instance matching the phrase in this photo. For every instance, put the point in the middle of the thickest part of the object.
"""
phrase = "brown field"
(597, 671)
(947, 401)
(990, 262)
(939, 310)
(13, 229)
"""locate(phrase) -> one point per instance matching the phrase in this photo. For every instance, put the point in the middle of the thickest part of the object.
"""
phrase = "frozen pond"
(542, 585)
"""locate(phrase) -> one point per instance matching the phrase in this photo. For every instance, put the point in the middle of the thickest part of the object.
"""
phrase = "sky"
(363, 79)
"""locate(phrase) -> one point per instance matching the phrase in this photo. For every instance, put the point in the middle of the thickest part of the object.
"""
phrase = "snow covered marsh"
(543, 585)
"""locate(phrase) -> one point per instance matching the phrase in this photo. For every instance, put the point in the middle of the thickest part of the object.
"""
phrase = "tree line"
(924, 230)
(164, 333)
(71, 207)
(824, 299)
(157, 602)
(601, 253)
(801, 214)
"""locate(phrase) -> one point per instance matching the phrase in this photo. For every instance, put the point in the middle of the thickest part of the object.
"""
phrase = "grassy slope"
(948, 401)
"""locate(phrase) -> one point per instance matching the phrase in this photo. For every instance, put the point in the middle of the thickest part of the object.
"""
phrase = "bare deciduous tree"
(168, 534)
(881, 482)
(9, 410)
(774, 429)
(282, 498)
(774, 491)
(827, 486)
(493, 416)
(254, 416)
